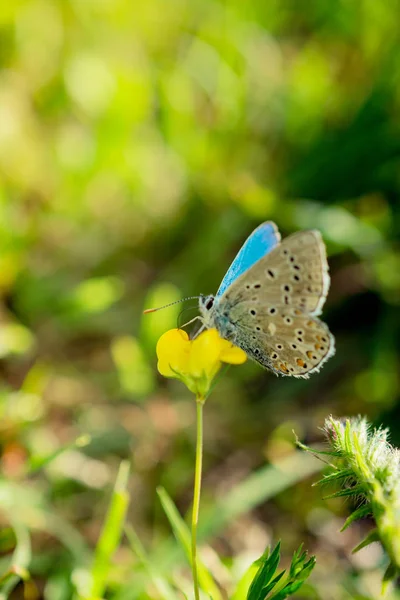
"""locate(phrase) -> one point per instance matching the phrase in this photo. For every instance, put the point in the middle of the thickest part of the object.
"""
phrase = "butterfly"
(270, 298)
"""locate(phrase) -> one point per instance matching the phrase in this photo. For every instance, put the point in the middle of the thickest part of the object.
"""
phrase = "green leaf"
(336, 476)
(245, 581)
(316, 452)
(352, 491)
(299, 572)
(263, 584)
(390, 574)
(359, 513)
(348, 437)
(372, 537)
(273, 583)
(268, 565)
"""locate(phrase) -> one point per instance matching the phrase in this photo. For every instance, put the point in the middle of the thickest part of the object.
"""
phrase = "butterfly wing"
(294, 273)
(272, 307)
(258, 244)
(282, 338)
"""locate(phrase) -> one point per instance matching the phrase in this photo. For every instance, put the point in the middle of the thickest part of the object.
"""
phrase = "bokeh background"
(140, 143)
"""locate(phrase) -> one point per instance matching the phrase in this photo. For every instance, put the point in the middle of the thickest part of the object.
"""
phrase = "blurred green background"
(140, 143)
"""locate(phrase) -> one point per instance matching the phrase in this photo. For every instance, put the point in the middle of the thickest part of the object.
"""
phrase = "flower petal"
(232, 354)
(205, 353)
(173, 350)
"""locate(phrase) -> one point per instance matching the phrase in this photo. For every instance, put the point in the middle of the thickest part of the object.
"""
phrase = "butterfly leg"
(202, 328)
(190, 322)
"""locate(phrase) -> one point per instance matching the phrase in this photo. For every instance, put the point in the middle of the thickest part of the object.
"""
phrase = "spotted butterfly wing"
(296, 272)
(271, 307)
(288, 341)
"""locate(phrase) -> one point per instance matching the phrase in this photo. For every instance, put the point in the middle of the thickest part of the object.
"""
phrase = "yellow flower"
(195, 362)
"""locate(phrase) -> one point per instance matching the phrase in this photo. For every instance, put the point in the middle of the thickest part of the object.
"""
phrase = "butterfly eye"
(209, 303)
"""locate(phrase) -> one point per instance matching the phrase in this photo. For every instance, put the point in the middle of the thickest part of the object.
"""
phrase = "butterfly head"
(206, 305)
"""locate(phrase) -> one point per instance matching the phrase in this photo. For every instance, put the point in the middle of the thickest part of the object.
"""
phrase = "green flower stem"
(368, 468)
(196, 493)
(385, 504)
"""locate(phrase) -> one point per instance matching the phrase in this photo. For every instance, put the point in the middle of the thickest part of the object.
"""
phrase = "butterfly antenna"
(151, 310)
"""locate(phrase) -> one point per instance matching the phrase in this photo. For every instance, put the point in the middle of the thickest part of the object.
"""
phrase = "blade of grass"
(111, 532)
(39, 462)
(182, 534)
(158, 580)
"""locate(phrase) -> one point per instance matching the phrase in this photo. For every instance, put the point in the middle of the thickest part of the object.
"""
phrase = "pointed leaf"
(272, 584)
(296, 582)
(264, 574)
(359, 513)
(316, 453)
(372, 537)
(336, 476)
(390, 574)
(347, 437)
(298, 556)
(353, 491)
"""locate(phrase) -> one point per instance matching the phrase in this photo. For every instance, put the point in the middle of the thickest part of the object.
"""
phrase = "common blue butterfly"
(268, 301)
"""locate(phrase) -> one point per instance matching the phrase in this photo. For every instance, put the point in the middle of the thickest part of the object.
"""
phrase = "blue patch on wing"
(258, 244)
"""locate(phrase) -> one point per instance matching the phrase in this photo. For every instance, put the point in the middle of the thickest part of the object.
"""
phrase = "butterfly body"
(269, 305)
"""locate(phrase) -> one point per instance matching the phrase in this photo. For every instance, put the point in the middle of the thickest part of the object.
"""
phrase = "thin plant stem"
(196, 492)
